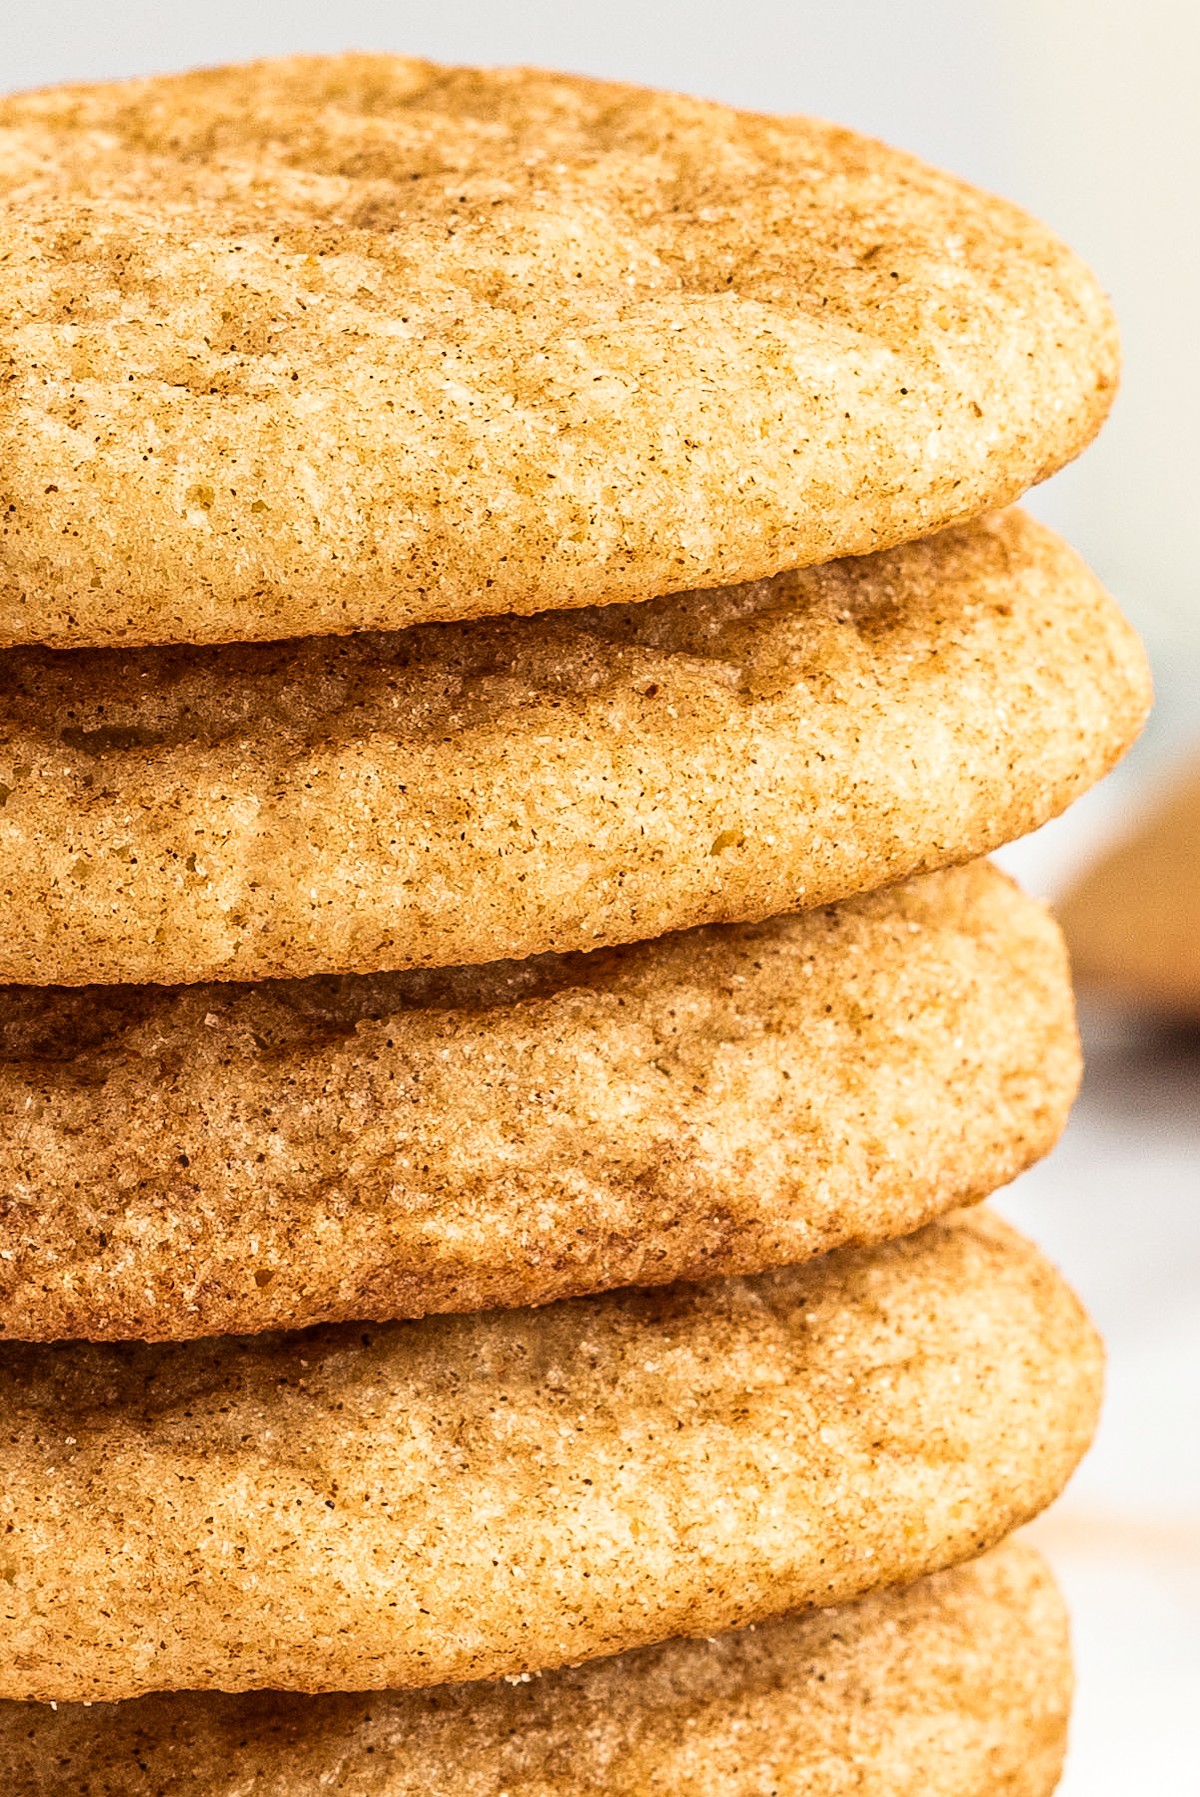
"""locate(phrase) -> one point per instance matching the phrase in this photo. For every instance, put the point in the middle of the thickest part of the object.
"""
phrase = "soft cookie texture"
(221, 1158)
(331, 344)
(410, 1503)
(464, 793)
(956, 1687)
(1133, 920)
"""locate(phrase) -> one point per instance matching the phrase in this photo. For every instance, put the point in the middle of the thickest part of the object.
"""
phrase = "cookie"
(338, 344)
(220, 1158)
(363, 1507)
(1133, 920)
(957, 1687)
(468, 793)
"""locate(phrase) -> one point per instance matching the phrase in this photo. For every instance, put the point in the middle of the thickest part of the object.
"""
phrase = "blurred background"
(1087, 112)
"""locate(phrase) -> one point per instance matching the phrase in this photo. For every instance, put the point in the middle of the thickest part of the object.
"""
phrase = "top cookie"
(333, 344)
(1133, 919)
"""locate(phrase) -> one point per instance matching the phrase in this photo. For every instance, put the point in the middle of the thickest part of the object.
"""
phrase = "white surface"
(1117, 1205)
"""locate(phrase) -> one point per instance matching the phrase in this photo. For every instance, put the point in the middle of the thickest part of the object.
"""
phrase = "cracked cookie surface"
(464, 793)
(373, 1506)
(331, 344)
(956, 1687)
(203, 1159)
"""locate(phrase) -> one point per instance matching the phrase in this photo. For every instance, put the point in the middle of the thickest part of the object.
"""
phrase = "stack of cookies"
(512, 659)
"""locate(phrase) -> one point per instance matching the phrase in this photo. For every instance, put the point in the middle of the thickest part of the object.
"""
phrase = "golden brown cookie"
(212, 1158)
(957, 1687)
(410, 1503)
(1133, 919)
(333, 344)
(466, 793)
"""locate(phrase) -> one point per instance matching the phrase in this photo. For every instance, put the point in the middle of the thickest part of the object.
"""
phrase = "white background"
(1088, 111)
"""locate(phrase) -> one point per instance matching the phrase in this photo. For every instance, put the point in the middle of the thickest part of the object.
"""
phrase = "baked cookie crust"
(956, 1687)
(191, 1161)
(460, 794)
(364, 1507)
(333, 344)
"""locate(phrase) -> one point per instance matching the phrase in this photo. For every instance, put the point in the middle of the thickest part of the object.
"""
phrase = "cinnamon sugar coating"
(374, 1506)
(212, 1158)
(340, 343)
(460, 794)
(956, 1687)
